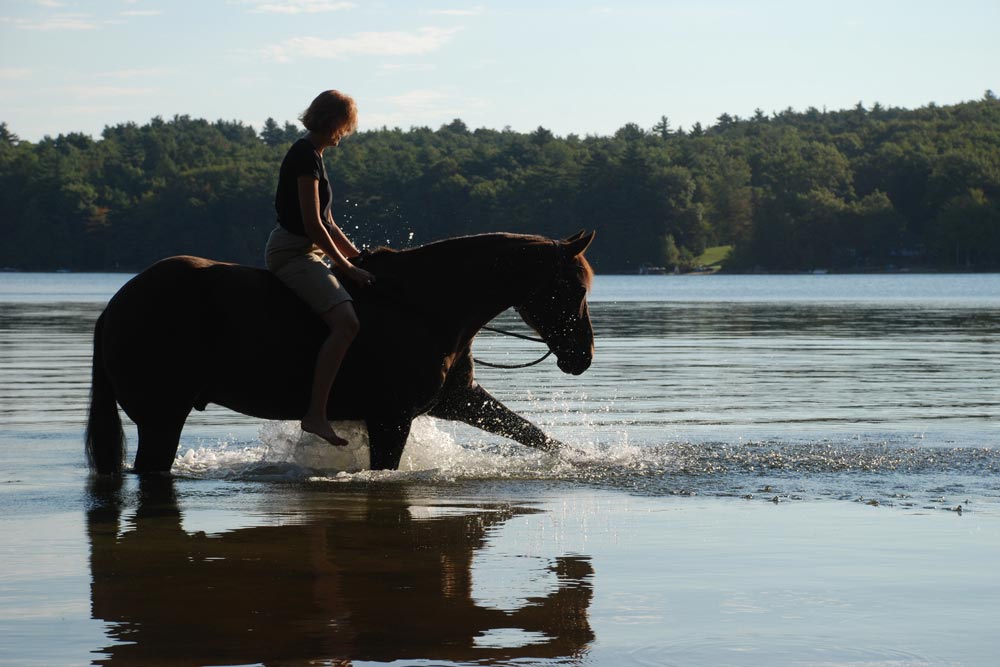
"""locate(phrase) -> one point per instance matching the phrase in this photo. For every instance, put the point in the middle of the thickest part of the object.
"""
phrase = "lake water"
(769, 470)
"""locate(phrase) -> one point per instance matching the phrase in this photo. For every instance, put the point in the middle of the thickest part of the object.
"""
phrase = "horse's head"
(557, 308)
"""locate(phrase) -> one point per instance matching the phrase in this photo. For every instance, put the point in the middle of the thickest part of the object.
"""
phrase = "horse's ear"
(576, 236)
(579, 245)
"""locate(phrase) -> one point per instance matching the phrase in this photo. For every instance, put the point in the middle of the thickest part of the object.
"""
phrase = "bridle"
(513, 334)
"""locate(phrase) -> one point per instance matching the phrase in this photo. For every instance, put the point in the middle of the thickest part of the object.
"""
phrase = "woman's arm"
(344, 244)
(337, 247)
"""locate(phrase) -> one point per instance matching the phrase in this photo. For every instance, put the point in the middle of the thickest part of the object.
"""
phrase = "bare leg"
(344, 326)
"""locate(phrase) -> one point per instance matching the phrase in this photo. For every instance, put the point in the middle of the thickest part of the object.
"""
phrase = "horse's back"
(188, 320)
(178, 289)
(187, 279)
(215, 332)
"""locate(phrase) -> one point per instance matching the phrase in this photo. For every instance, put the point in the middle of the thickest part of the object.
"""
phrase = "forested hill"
(857, 189)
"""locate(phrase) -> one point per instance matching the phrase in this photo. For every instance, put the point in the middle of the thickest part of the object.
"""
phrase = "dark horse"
(188, 331)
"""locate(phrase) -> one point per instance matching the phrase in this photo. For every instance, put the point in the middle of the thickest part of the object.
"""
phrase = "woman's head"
(332, 113)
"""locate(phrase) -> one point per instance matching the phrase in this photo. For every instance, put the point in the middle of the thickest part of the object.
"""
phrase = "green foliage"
(714, 257)
(857, 189)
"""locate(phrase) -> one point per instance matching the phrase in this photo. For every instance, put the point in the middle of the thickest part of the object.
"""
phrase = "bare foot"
(323, 429)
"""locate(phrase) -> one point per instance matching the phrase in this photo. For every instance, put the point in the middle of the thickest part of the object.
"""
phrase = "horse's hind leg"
(158, 441)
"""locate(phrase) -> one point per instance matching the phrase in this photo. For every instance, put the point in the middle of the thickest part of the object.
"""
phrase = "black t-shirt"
(300, 159)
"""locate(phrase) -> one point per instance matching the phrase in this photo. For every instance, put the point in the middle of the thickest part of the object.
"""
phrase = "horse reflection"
(368, 582)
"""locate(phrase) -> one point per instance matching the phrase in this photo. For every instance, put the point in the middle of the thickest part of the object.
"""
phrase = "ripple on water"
(727, 651)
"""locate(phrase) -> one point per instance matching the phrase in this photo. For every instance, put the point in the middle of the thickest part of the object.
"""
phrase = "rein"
(513, 334)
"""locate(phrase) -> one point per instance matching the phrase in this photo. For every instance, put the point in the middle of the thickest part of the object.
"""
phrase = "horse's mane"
(471, 243)
(472, 249)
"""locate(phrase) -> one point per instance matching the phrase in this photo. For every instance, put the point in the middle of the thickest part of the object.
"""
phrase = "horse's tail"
(105, 437)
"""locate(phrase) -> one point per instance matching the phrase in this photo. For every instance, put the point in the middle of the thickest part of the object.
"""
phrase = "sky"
(573, 67)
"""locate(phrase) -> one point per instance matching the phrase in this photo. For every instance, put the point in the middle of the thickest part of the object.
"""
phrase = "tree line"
(857, 189)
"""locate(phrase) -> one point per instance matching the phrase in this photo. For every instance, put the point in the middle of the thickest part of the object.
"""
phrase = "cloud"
(141, 12)
(14, 73)
(396, 43)
(92, 92)
(396, 68)
(418, 99)
(58, 22)
(134, 73)
(478, 10)
(422, 106)
(300, 6)
(483, 63)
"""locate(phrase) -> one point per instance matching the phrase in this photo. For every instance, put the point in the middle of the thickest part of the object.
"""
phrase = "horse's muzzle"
(574, 365)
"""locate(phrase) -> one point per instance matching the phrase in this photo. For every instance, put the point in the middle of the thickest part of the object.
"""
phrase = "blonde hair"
(332, 111)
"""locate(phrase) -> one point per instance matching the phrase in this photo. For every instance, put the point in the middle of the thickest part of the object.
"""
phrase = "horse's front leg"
(386, 440)
(475, 406)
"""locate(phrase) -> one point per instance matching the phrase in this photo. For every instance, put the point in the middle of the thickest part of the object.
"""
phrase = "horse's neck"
(494, 285)
(466, 289)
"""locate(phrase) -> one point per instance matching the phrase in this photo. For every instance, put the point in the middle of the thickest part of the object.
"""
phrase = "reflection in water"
(363, 581)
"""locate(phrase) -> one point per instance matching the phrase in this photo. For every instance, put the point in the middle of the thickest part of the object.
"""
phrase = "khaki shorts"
(300, 265)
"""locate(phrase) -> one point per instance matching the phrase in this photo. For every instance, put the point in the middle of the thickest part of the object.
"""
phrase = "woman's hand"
(358, 275)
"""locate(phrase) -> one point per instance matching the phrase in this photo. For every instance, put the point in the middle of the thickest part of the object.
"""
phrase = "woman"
(306, 232)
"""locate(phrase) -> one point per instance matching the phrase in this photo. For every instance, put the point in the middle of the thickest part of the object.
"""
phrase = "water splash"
(878, 471)
(284, 451)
